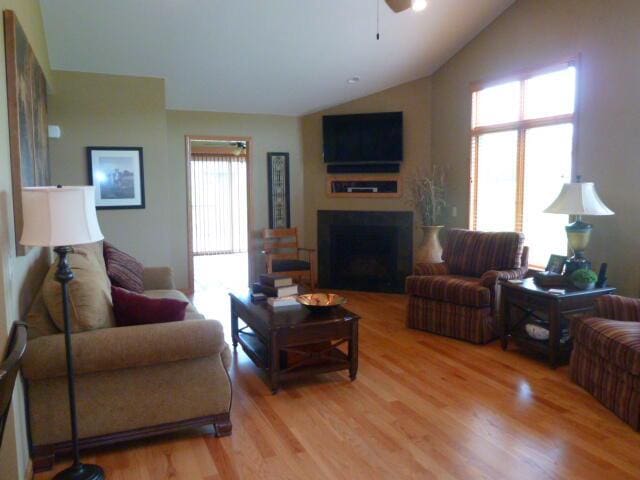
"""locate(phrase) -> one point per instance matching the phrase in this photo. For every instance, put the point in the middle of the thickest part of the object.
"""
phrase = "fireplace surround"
(364, 250)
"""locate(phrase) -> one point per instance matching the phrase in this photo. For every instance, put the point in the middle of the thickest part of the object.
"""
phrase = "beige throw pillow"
(90, 304)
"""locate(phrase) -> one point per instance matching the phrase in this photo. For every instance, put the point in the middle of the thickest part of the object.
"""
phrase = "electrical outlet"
(454, 211)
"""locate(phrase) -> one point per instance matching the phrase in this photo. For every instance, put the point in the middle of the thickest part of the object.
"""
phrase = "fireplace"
(368, 251)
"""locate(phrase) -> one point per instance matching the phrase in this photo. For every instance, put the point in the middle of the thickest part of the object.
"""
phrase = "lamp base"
(577, 262)
(81, 472)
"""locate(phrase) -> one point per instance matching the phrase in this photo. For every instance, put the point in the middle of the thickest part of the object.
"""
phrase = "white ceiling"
(261, 56)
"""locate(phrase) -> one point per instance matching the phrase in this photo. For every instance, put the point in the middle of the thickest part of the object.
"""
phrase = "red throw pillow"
(123, 270)
(134, 309)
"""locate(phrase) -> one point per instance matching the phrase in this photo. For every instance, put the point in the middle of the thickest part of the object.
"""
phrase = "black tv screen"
(362, 138)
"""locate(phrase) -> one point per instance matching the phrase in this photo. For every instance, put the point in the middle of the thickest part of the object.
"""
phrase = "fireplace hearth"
(366, 251)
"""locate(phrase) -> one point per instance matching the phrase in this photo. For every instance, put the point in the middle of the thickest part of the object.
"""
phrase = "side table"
(552, 311)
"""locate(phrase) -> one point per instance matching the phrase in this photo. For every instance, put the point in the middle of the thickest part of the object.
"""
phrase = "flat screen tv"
(362, 138)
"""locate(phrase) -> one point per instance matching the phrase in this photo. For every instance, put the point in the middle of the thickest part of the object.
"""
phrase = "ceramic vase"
(430, 250)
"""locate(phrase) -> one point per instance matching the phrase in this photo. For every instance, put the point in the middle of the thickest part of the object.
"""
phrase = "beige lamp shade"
(578, 199)
(62, 216)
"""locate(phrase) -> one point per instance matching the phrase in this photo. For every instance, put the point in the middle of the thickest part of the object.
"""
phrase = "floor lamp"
(61, 217)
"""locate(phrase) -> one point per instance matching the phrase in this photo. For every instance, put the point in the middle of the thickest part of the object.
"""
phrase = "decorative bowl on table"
(321, 301)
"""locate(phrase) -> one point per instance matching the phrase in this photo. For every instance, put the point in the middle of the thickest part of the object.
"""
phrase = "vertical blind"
(218, 204)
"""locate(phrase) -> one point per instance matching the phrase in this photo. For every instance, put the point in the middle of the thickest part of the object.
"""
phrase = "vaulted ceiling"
(261, 56)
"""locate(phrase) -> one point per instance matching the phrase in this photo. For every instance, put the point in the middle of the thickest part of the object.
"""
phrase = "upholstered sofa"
(131, 382)
(459, 297)
(605, 359)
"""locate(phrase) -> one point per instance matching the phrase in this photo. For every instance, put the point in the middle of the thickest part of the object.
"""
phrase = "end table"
(552, 311)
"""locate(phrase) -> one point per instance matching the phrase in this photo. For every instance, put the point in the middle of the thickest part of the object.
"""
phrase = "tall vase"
(430, 250)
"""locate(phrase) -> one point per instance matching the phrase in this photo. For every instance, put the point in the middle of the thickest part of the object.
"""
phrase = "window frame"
(521, 126)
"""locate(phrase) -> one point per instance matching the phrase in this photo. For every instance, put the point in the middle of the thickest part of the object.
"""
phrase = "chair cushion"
(124, 271)
(472, 253)
(613, 340)
(131, 308)
(89, 294)
(290, 265)
(450, 288)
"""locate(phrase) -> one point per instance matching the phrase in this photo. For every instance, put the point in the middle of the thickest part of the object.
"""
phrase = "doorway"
(218, 175)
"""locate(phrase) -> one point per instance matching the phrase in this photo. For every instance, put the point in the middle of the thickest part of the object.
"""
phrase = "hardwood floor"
(423, 406)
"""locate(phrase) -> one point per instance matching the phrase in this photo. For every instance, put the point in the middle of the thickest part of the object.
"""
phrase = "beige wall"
(414, 100)
(103, 110)
(269, 133)
(110, 110)
(20, 276)
(534, 33)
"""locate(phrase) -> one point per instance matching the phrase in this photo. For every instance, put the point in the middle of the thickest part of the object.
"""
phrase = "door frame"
(250, 217)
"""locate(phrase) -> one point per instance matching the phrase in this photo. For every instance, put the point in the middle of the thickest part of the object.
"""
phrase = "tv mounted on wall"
(372, 138)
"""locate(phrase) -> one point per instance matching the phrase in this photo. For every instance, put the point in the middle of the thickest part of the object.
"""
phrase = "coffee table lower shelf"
(296, 361)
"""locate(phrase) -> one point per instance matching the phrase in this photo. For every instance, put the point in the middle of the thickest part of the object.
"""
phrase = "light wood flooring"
(422, 406)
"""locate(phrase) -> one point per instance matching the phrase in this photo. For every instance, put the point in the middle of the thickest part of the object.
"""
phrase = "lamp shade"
(578, 199)
(62, 216)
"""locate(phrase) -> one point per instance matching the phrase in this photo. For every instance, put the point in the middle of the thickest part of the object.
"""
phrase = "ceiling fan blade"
(398, 5)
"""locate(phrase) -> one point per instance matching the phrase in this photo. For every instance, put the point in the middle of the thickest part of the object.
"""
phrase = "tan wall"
(110, 110)
(414, 99)
(535, 33)
(19, 277)
(269, 133)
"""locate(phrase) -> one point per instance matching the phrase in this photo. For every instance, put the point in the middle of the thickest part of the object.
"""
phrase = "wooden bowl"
(321, 301)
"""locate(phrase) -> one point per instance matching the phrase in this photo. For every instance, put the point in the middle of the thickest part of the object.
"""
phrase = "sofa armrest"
(491, 278)
(616, 307)
(158, 278)
(123, 347)
(424, 269)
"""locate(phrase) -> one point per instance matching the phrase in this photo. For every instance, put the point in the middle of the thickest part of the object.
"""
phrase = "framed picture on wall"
(27, 108)
(118, 175)
(279, 197)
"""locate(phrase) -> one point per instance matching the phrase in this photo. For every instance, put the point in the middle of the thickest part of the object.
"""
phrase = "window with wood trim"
(522, 144)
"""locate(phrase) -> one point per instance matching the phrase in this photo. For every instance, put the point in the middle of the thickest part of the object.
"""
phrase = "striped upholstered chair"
(605, 359)
(459, 297)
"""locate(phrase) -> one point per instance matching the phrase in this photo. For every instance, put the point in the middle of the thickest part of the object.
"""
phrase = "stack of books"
(278, 290)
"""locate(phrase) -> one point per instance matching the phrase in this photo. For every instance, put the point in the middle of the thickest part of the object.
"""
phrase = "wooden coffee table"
(294, 341)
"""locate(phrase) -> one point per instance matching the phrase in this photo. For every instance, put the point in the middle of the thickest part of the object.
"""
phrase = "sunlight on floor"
(214, 277)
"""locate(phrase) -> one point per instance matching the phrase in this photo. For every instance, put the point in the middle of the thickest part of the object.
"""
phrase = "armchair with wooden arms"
(283, 255)
(605, 359)
(459, 297)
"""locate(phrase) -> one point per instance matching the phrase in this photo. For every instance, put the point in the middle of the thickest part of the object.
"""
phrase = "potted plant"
(428, 200)
(584, 279)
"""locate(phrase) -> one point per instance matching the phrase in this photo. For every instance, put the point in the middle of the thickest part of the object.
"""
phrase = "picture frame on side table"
(556, 264)
(279, 194)
(118, 175)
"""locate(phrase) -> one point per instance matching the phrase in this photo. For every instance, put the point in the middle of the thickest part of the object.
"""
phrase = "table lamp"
(61, 217)
(579, 198)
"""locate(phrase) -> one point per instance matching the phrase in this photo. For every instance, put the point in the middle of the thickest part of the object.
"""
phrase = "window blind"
(218, 204)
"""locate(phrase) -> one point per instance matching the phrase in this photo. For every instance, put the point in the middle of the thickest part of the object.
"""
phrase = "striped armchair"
(459, 297)
(605, 359)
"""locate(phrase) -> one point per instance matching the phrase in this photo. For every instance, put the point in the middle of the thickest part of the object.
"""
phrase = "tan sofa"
(131, 382)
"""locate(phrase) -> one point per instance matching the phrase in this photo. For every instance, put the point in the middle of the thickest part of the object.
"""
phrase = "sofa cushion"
(132, 308)
(450, 288)
(290, 265)
(613, 340)
(472, 253)
(124, 270)
(89, 294)
(191, 313)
